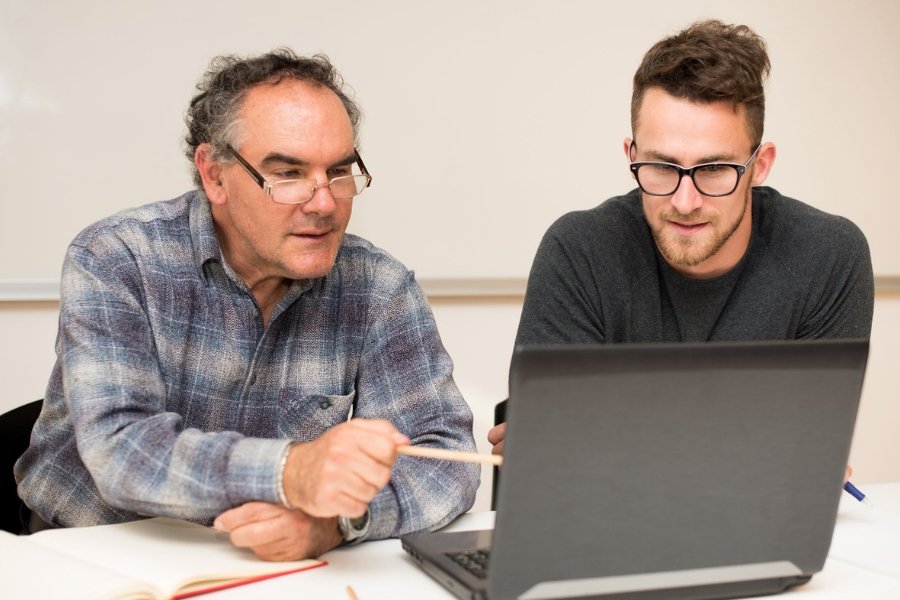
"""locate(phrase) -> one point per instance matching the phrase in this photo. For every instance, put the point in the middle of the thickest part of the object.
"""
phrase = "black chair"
(499, 417)
(15, 431)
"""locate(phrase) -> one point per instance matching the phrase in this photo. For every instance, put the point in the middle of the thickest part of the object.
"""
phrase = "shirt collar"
(203, 234)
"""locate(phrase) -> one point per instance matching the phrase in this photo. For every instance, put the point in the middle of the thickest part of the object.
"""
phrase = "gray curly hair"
(213, 114)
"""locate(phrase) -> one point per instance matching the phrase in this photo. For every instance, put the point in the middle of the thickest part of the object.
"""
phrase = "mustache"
(317, 222)
(697, 216)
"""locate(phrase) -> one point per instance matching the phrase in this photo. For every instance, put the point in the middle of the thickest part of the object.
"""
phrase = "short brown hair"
(709, 61)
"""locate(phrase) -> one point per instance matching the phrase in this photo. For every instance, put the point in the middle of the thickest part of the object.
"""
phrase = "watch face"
(354, 528)
(359, 523)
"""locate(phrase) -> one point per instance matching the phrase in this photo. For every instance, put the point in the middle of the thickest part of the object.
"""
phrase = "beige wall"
(481, 144)
(479, 334)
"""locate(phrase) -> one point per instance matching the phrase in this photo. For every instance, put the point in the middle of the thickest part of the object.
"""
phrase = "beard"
(690, 251)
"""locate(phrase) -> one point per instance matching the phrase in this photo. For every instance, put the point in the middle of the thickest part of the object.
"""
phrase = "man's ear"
(626, 146)
(765, 158)
(210, 173)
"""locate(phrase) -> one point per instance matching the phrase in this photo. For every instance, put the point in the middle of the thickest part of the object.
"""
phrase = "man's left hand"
(278, 533)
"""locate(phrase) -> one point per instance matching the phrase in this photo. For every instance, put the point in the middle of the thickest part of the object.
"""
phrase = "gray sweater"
(598, 277)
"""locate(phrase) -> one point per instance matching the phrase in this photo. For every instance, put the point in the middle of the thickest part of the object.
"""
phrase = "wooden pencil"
(442, 454)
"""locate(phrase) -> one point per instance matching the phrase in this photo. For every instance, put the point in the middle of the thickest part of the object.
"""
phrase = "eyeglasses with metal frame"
(711, 179)
(301, 191)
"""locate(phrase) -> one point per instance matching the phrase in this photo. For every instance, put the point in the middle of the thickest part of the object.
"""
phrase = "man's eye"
(288, 174)
(339, 172)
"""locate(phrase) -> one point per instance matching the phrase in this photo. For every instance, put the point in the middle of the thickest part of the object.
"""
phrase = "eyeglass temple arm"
(256, 175)
(362, 166)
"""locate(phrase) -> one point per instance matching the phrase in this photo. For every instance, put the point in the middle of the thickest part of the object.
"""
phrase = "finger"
(311, 538)
(348, 496)
(244, 514)
(361, 437)
(380, 427)
(261, 533)
(363, 486)
(371, 478)
(279, 551)
(352, 507)
(497, 449)
(496, 434)
(368, 458)
(283, 538)
(365, 446)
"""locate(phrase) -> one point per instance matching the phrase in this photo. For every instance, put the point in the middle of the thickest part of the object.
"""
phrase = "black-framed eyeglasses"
(710, 179)
(300, 191)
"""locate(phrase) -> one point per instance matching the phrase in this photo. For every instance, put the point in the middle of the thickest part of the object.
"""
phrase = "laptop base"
(739, 581)
(736, 581)
(431, 550)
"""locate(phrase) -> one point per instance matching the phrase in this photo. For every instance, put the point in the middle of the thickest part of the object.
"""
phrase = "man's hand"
(495, 436)
(278, 533)
(340, 472)
(848, 473)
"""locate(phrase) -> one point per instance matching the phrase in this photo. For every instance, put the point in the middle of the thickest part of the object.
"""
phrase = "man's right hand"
(495, 436)
(340, 472)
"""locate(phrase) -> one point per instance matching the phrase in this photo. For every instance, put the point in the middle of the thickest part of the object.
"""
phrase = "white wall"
(479, 334)
(485, 120)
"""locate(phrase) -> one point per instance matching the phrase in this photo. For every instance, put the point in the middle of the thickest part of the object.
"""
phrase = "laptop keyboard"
(473, 561)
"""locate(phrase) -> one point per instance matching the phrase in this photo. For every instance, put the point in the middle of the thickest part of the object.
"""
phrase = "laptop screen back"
(627, 459)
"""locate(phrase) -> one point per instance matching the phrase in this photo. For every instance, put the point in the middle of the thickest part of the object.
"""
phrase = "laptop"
(669, 470)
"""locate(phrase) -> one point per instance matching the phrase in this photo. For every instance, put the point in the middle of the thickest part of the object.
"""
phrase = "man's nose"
(686, 198)
(322, 201)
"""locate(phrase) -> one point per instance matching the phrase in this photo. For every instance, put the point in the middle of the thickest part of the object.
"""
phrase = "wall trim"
(47, 290)
(29, 290)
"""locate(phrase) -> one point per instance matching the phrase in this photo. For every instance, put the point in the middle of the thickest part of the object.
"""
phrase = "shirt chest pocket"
(305, 416)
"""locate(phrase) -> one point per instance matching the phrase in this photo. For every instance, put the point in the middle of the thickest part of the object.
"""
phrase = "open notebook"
(709, 470)
(153, 559)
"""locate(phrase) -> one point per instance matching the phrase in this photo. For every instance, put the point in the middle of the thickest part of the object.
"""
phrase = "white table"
(864, 562)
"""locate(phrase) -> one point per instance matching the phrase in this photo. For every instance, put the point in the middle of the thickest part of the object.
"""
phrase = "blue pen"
(854, 491)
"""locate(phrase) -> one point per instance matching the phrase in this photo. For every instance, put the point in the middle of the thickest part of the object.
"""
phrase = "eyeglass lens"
(298, 191)
(712, 180)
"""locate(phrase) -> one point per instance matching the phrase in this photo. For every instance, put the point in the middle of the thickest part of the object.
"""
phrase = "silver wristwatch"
(354, 529)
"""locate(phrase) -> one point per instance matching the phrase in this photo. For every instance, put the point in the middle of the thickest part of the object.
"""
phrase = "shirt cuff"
(256, 470)
(282, 495)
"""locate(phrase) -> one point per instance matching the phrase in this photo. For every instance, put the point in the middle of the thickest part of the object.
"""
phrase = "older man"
(213, 348)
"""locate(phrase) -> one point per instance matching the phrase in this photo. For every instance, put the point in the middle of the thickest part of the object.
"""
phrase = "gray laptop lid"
(660, 466)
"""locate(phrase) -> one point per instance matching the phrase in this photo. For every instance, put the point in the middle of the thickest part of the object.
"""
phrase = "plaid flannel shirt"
(169, 397)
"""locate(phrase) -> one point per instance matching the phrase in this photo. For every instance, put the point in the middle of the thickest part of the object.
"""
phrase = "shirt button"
(325, 404)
